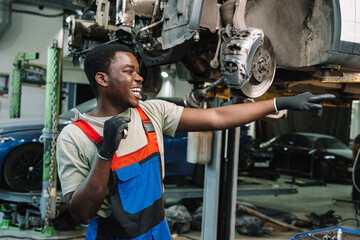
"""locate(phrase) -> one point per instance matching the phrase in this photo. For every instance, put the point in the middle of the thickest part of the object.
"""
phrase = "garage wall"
(28, 33)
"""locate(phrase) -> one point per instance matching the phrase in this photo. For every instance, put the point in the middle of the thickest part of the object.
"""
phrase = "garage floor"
(309, 199)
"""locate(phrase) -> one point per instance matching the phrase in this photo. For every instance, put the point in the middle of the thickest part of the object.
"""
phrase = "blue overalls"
(136, 197)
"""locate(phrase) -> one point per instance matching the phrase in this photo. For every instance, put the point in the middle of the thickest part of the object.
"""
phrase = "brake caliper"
(237, 53)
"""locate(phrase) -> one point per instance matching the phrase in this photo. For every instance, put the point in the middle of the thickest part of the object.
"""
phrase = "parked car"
(21, 151)
(317, 156)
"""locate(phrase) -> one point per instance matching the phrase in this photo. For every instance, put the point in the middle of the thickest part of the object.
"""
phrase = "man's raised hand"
(114, 131)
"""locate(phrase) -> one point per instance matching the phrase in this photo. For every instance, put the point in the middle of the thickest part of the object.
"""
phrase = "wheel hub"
(263, 67)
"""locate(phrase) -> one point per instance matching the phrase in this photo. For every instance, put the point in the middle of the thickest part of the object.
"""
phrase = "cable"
(353, 171)
(38, 14)
(350, 219)
(29, 238)
(356, 206)
(16, 237)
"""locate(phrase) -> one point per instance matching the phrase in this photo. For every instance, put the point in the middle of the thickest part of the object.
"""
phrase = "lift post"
(50, 132)
(21, 61)
(211, 191)
(220, 186)
(228, 184)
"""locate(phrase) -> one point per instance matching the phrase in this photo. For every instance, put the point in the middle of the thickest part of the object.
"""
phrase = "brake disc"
(263, 71)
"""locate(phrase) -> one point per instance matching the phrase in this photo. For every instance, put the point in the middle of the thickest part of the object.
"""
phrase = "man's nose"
(138, 77)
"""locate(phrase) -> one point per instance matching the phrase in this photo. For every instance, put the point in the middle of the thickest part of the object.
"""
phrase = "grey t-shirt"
(75, 152)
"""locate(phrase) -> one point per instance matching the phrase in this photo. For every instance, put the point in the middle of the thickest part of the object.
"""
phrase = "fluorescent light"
(68, 19)
(164, 74)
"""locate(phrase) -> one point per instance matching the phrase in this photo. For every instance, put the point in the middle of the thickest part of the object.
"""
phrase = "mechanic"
(114, 184)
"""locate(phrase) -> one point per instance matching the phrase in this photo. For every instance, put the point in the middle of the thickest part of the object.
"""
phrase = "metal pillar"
(20, 62)
(211, 190)
(50, 131)
(228, 185)
(220, 187)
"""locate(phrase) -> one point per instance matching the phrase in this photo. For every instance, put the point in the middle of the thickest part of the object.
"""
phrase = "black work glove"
(302, 102)
(113, 133)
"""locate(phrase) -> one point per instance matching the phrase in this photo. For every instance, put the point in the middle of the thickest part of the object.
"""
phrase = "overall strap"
(123, 161)
(148, 126)
(95, 136)
(144, 152)
(89, 131)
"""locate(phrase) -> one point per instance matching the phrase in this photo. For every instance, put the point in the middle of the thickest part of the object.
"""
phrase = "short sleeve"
(166, 113)
(73, 165)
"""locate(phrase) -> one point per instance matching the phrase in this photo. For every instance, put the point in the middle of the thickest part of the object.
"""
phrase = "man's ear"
(101, 78)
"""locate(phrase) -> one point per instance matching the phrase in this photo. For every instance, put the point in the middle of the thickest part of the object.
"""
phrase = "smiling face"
(124, 82)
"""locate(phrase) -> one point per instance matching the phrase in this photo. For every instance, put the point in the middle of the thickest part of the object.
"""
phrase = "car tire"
(23, 168)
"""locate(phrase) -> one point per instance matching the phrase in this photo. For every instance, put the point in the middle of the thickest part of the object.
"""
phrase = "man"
(115, 184)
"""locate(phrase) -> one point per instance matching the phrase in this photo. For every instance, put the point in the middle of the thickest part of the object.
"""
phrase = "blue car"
(21, 151)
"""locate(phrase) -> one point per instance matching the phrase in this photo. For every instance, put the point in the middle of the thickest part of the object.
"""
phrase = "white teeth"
(137, 90)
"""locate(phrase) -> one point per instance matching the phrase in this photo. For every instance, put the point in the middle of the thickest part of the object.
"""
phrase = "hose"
(353, 171)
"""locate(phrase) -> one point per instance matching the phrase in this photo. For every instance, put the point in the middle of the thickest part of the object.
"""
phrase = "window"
(330, 143)
(4, 82)
(286, 140)
(301, 141)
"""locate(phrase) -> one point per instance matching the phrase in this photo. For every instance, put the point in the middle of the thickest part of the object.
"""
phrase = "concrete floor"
(311, 199)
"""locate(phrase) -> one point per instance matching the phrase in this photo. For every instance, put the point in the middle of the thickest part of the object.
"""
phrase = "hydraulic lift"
(220, 190)
(47, 199)
(20, 62)
(220, 187)
(34, 199)
(198, 192)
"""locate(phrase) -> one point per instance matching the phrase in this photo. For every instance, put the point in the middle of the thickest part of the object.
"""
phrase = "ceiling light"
(164, 74)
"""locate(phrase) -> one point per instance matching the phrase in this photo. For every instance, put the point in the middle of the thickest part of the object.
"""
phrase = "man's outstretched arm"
(230, 116)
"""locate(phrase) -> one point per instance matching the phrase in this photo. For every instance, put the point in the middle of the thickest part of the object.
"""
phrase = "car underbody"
(259, 46)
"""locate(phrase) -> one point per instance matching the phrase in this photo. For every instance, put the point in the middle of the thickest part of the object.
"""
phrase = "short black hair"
(98, 59)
